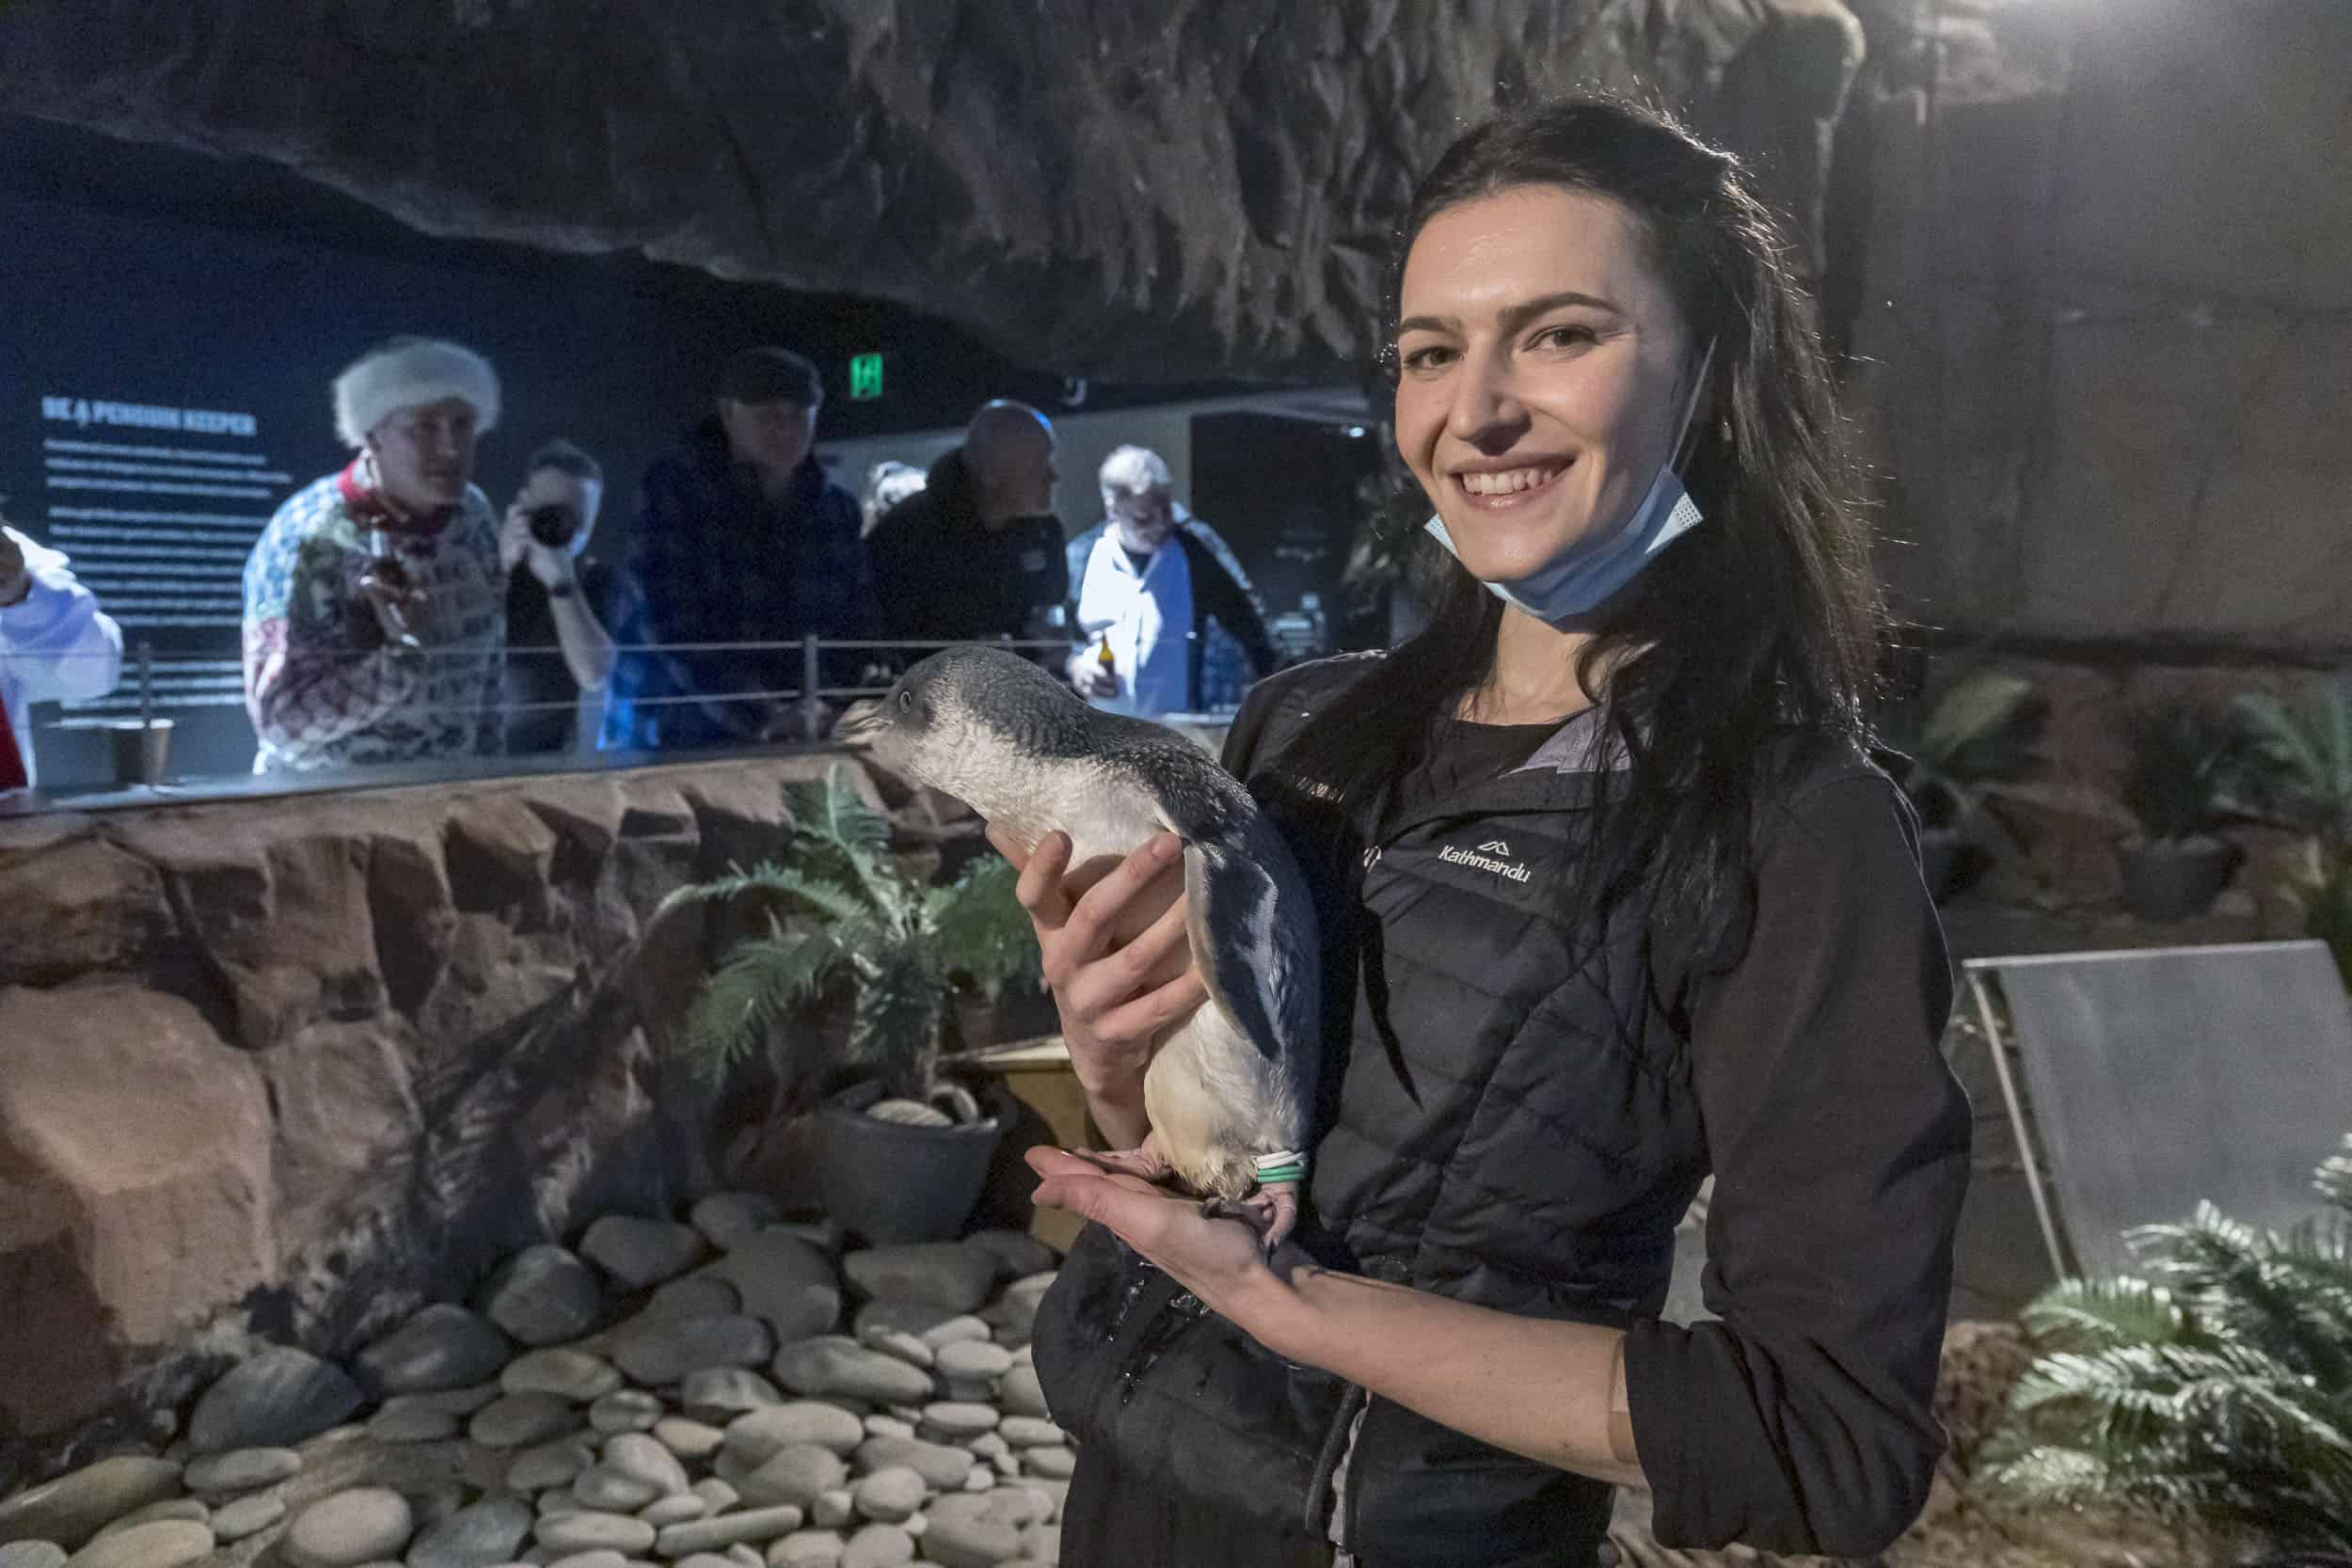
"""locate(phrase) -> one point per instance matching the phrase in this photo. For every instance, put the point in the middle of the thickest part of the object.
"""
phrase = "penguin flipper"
(1253, 936)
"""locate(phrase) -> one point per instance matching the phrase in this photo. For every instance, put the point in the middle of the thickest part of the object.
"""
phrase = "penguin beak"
(861, 722)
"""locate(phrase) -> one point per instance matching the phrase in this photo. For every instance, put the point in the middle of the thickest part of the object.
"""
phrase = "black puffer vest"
(1509, 1120)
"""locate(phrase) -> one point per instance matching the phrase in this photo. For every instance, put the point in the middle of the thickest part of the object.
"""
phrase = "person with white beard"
(1153, 609)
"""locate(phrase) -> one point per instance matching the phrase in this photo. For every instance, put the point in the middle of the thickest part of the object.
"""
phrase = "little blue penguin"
(1227, 1091)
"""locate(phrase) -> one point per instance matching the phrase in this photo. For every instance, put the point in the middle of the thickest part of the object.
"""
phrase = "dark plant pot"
(889, 1183)
(1016, 1015)
(2168, 879)
(1948, 864)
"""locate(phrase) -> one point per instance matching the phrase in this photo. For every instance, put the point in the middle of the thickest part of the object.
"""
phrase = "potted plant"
(2184, 760)
(1946, 750)
(2301, 778)
(902, 1151)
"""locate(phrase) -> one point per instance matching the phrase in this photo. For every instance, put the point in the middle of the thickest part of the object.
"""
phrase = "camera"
(554, 525)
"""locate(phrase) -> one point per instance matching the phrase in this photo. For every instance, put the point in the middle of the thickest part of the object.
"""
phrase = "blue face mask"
(1587, 573)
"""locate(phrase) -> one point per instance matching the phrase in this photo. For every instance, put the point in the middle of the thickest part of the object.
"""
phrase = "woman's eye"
(1564, 337)
(1421, 361)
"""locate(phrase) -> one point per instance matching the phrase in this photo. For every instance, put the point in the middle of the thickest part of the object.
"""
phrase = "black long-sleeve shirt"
(1524, 1114)
(1803, 1420)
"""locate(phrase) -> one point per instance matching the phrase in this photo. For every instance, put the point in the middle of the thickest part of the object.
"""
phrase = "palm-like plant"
(1977, 731)
(847, 909)
(2218, 1386)
(2302, 779)
(2186, 761)
(2303, 748)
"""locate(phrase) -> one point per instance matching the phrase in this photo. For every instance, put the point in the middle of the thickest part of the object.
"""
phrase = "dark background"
(146, 275)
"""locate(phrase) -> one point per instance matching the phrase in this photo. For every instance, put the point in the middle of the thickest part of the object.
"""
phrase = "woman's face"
(1542, 370)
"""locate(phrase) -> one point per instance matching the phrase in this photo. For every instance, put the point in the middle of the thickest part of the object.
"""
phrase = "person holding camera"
(374, 605)
(556, 645)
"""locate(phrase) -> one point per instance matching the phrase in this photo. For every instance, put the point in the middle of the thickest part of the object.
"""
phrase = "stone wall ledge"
(282, 1065)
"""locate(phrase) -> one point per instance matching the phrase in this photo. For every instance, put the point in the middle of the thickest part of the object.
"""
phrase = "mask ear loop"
(1684, 436)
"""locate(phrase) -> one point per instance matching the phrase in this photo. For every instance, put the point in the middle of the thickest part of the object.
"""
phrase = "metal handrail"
(811, 649)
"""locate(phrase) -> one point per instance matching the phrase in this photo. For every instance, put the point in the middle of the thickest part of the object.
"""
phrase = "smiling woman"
(1536, 416)
(1610, 898)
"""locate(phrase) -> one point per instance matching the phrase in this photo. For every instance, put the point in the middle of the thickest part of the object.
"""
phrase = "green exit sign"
(865, 381)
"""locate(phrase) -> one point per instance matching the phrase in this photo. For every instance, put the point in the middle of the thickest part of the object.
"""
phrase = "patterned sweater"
(324, 687)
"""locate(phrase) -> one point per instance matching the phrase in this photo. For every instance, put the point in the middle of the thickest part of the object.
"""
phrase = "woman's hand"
(1120, 969)
(1219, 1260)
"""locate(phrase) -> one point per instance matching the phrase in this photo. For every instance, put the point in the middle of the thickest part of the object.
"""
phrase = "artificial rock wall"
(1152, 190)
(284, 1067)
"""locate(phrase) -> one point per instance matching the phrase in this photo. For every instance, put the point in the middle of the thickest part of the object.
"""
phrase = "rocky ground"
(732, 1391)
(729, 1392)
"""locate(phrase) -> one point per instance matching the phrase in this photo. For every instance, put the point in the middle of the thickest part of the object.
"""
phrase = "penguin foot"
(1272, 1211)
(1144, 1160)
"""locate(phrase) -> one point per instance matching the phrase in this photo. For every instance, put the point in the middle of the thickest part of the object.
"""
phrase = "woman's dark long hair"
(1759, 623)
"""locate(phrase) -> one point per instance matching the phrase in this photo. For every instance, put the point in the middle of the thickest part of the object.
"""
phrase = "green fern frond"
(2334, 1179)
(981, 930)
(2094, 1314)
(2050, 1474)
(2305, 746)
(811, 894)
(746, 1006)
(2288, 1296)
(832, 811)
(838, 836)
(1970, 715)
(2220, 1387)
(895, 1029)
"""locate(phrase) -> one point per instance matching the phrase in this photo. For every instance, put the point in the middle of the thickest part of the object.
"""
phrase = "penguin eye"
(906, 702)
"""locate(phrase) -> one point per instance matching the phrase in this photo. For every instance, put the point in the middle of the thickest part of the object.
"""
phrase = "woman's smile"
(1493, 489)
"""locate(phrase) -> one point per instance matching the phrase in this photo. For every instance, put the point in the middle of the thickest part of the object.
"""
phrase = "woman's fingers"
(1050, 1163)
(1147, 1015)
(1159, 952)
(1127, 1204)
(1002, 841)
(1089, 928)
(1040, 891)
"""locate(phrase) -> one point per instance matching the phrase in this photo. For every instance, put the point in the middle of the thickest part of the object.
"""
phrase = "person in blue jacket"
(741, 539)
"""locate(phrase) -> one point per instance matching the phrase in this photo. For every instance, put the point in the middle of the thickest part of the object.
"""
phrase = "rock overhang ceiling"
(1115, 188)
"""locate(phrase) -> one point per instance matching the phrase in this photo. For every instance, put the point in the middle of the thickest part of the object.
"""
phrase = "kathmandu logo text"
(1482, 859)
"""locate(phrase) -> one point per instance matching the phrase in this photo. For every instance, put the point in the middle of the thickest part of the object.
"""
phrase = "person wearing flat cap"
(741, 539)
(376, 603)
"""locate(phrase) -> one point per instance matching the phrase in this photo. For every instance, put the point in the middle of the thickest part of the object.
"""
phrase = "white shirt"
(1146, 612)
(55, 646)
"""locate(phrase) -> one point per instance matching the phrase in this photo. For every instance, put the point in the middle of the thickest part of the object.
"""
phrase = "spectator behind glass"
(741, 539)
(556, 645)
(1155, 585)
(55, 646)
(374, 605)
(888, 484)
(978, 554)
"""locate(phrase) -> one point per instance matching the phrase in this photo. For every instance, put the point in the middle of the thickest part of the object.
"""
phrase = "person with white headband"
(1609, 897)
(375, 601)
